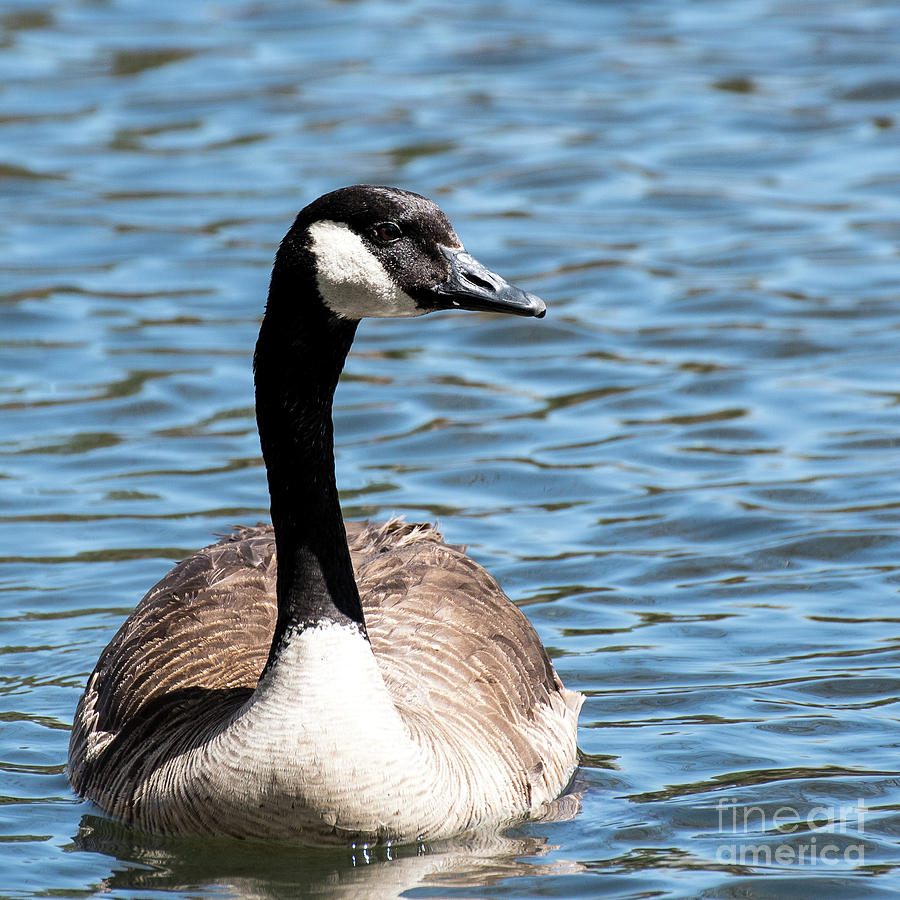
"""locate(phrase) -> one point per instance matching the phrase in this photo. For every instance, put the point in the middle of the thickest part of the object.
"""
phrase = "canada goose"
(379, 686)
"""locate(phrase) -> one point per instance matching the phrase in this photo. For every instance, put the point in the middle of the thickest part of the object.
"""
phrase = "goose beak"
(475, 287)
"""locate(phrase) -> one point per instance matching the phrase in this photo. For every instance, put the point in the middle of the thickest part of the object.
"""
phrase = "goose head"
(384, 252)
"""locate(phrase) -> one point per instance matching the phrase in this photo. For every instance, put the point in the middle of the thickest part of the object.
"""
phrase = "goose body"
(316, 680)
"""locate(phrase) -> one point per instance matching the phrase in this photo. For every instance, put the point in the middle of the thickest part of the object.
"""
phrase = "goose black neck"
(299, 357)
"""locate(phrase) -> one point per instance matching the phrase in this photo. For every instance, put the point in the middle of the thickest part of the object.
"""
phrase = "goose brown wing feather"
(463, 664)
(208, 623)
(429, 606)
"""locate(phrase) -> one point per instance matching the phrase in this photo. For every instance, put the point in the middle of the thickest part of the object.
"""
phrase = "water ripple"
(686, 473)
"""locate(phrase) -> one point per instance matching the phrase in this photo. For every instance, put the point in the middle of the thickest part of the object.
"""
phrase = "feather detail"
(472, 686)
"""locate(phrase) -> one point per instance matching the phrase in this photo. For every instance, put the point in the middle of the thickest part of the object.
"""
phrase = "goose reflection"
(256, 870)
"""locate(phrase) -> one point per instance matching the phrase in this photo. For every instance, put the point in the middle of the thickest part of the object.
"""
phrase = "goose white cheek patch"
(351, 280)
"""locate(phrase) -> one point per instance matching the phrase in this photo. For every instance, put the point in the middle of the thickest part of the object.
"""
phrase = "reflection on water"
(251, 869)
(686, 473)
(264, 870)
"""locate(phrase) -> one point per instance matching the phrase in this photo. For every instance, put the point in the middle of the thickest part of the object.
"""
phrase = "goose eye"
(388, 232)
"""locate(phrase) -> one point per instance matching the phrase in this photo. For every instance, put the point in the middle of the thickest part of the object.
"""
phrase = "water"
(686, 474)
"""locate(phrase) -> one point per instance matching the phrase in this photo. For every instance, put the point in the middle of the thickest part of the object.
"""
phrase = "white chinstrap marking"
(351, 280)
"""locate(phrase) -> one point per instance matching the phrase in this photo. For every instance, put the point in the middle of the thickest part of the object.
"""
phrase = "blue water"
(687, 474)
